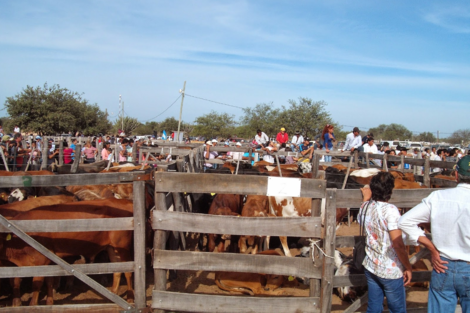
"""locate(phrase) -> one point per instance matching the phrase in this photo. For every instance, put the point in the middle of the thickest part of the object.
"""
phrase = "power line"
(230, 105)
(164, 110)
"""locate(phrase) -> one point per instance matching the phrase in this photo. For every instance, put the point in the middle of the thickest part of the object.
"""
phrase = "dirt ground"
(191, 282)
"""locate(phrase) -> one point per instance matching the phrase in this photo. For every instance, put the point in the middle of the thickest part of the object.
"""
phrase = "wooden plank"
(360, 279)
(77, 225)
(352, 198)
(427, 172)
(69, 179)
(159, 243)
(54, 258)
(139, 243)
(235, 262)
(358, 303)
(442, 164)
(443, 182)
(72, 308)
(56, 270)
(329, 250)
(217, 224)
(234, 184)
(176, 301)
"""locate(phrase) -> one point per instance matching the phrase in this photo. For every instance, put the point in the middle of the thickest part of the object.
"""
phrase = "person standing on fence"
(328, 138)
(448, 211)
(386, 264)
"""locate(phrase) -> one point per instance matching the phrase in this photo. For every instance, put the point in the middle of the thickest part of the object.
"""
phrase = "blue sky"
(373, 62)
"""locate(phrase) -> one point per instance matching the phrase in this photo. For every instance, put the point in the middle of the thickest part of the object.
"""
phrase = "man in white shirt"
(296, 141)
(448, 211)
(370, 147)
(353, 140)
(261, 138)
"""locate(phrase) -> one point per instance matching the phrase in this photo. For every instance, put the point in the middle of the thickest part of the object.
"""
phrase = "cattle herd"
(116, 200)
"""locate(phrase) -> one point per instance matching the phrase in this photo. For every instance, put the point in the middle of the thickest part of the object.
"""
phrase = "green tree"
(391, 132)
(263, 117)
(51, 110)
(214, 124)
(128, 125)
(426, 136)
(147, 129)
(460, 136)
(169, 124)
(307, 116)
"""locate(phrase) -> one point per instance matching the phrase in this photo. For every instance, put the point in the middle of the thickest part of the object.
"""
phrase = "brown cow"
(255, 206)
(11, 209)
(118, 244)
(223, 204)
(251, 283)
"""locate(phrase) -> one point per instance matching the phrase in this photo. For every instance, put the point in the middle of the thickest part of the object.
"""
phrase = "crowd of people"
(27, 153)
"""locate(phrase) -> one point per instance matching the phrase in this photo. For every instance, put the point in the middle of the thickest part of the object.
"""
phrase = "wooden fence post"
(427, 172)
(78, 149)
(329, 248)
(139, 244)
(356, 159)
(159, 243)
(61, 152)
(44, 153)
(98, 148)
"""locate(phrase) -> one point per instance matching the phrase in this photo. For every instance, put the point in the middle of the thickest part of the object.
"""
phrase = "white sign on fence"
(283, 187)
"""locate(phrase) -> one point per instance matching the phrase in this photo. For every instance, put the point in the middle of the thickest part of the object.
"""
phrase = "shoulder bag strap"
(364, 219)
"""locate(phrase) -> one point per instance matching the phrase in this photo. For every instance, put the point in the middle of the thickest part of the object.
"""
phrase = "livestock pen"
(136, 224)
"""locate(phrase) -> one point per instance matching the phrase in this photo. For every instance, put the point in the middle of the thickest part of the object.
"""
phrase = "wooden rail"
(136, 223)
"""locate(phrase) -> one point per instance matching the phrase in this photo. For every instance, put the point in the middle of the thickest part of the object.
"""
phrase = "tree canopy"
(460, 136)
(52, 110)
(214, 124)
(391, 132)
(305, 115)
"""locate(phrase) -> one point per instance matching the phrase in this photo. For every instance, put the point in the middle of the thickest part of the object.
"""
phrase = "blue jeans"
(446, 287)
(327, 157)
(379, 287)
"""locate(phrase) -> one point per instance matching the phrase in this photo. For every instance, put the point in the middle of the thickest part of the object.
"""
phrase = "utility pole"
(437, 136)
(121, 110)
(181, 110)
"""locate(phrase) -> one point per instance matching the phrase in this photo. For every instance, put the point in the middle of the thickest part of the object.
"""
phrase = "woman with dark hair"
(386, 264)
(328, 138)
(106, 150)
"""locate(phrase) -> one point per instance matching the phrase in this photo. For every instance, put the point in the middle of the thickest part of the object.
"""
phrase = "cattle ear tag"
(212, 193)
(291, 278)
(8, 237)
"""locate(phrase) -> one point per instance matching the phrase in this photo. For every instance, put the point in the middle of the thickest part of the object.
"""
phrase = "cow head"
(305, 167)
(17, 195)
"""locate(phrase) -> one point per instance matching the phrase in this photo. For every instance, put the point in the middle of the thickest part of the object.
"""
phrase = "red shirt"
(280, 138)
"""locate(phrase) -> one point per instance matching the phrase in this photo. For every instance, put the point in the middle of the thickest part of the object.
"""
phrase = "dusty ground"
(192, 282)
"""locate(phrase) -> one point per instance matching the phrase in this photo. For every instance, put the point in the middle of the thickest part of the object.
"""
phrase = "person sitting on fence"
(392, 164)
(270, 147)
(448, 211)
(53, 156)
(129, 150)
(282, 136)
(353, 140)
(261, 139)
(386, 263)
(296, 141)
(439, 156)
(371, 148)
(306, 150)
(89, 152)
(20, 152)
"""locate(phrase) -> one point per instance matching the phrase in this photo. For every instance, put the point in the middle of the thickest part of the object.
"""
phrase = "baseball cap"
(6, 138)
(214, 140)
(238, 144)
(208, 142)
(283, 129)
(463, 166)
(307, 139)
(38, 137)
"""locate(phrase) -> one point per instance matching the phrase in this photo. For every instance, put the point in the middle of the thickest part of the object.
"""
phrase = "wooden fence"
(135, 223)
